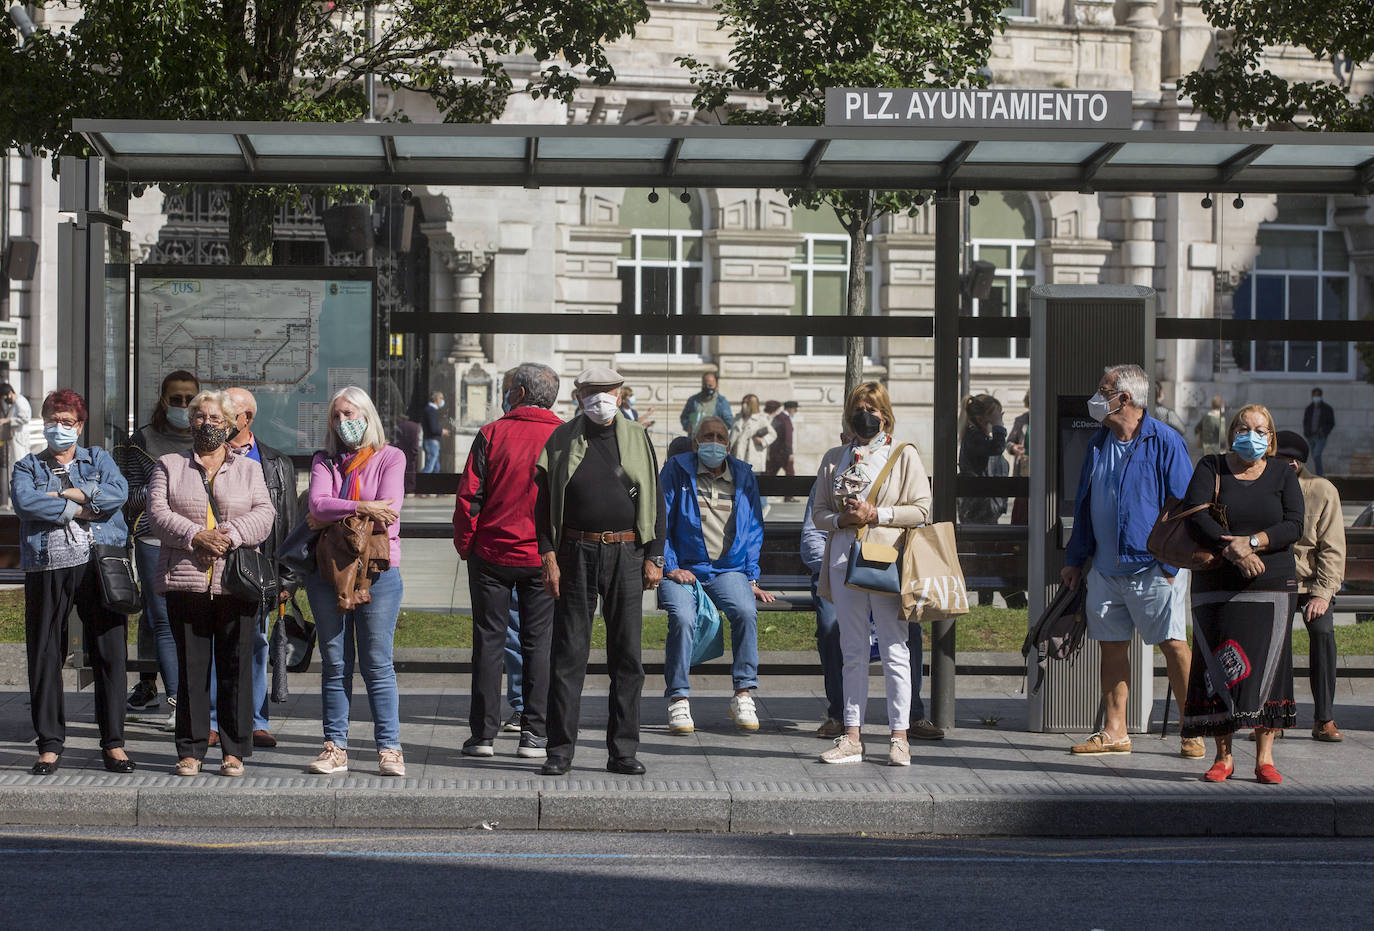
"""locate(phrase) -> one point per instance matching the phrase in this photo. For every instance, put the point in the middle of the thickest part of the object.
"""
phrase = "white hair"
(221, 398)
(372, 436)
(1132, 380)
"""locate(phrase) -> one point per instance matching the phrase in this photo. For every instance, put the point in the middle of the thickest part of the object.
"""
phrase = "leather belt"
(605, 536)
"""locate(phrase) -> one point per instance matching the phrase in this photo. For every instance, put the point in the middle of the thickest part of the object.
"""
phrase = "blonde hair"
(221, 398)
(1238, 424)
(874, 393)
(749, 405)
(372, 436)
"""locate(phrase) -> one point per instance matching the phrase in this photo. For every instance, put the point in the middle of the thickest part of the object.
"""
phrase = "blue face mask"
(711, 454)
(60, 437)
(1250, 446)
(505, 403)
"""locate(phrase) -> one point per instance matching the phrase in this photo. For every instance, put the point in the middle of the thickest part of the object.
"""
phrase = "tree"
(1239, 86)
(789, 51)
(292, 60)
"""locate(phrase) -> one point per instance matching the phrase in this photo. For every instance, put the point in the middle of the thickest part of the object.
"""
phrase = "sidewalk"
(982, 779)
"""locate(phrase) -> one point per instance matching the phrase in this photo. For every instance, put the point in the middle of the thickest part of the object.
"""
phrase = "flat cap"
(599, 376)
(1292, 446)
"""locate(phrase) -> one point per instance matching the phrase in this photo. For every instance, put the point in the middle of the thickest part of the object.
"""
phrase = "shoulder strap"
(882, 476)
(616, 469)
(211, 495)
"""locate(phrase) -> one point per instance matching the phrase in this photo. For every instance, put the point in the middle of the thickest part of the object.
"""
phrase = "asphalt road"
(114, 877)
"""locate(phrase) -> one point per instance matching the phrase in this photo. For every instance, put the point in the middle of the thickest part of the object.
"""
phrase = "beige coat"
(742, 445)
(1320, 551)
(906, 490)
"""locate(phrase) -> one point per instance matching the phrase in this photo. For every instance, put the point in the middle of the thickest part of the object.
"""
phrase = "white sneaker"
(742, 712)
(846, 750)
(680, 717)
(331, 760)
(171, 723)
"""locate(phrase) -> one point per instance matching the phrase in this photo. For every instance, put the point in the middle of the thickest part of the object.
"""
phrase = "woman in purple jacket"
(357, 473)
(206, 620)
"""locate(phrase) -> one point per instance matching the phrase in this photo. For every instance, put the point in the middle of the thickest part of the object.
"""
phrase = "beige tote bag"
(932, 580)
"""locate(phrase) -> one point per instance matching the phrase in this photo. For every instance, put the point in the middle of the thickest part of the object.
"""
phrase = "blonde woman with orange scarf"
(358, 474)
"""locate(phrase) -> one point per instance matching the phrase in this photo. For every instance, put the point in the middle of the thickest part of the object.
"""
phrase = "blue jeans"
(512, 656)
(155, 614)
(369, 632)
(832, 659)
(431, 447)
(1315, 446)
(260, 656)
(731, 593)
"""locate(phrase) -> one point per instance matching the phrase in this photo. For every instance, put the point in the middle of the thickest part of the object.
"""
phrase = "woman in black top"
(1243, 611)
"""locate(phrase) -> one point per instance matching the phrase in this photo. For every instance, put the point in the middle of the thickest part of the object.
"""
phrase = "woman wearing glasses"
(1242, 668)
(68, 500)
(169, 431)
(196, 534)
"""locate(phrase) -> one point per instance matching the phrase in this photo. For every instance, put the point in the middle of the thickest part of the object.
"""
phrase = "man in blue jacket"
(715, 533)
(1134, 464)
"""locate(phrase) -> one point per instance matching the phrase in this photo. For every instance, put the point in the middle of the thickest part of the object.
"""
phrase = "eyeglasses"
(1258, 431)
(60, 422)
(180, 400)
(199, 417)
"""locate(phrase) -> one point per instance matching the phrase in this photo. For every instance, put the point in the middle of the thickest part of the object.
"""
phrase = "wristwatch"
(1254, 542)
(658, 561)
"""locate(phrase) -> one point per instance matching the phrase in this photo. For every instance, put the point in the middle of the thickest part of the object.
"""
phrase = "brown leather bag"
(349, 552)
(1173, 542)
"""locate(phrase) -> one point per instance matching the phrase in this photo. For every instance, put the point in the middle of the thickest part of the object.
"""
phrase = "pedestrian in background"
(708, 402)
(1318, 420)
(434, 432)
(1211, 429)
(1164, 413)
(1018, 444)
(751, 435)
(781, 453)
(627, 407)
(980, 455)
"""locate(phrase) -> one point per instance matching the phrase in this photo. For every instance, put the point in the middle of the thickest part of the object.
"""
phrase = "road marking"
(201, 845)
(839, 858)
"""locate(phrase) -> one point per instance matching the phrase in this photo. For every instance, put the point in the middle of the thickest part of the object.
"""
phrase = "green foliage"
(1238, 86)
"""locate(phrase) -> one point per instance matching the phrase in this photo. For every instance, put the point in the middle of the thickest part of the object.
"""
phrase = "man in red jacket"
(493, 529)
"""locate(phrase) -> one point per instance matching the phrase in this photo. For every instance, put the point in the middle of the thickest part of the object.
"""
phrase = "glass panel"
(1302, 357)
(1286, 249)
(1302, 297)
(1033, 152)
(1025, 258)
(691, 305)
(783, 150)
(997, 255)
(1335, 298)
(827, 345)
(620, 148)
(1005, 215)
(1268, 297)
(657, 247)
(828, 293)
(627, 306)
(1240, 301)
(1268, 356)
(1335, 255)
(627, 248)
(657, 297)
(995, 305)
(830, 253)
(1335, 357)
(173, 143)
(511, 147)
(799, 308)
(1023, 289)
(318, 146)
(670, 213)
(691, 248)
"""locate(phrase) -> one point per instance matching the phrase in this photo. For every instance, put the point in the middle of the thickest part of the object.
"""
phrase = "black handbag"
(248, 574)
(297, 550)
(114, 567)
(300, 637)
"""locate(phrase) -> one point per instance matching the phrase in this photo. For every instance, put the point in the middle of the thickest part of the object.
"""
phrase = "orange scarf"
(353, 470)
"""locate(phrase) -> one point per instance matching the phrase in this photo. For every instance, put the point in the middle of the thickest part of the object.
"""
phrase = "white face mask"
(601, 408)
(1099, 408)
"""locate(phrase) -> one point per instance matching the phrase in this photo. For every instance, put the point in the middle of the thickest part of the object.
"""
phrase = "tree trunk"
(251, 212)
(857, 307)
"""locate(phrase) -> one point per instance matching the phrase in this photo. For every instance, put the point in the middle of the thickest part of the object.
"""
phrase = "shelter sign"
(977, 107)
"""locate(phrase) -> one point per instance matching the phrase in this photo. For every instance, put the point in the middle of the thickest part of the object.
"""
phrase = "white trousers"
(852, 610)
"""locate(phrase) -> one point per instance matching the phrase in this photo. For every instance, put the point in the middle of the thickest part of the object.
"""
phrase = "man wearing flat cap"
(599, 521)
(1320, 558)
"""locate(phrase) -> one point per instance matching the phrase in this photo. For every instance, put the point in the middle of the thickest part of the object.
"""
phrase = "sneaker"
(846, 750)
(512, 725)
(830, 729)
(898, 752)
(1192, 748)
(924, 730)
(1101, 743)
(331, 760)
(743, 713)
(144, 695)
(392, 763)
(532, 747)
(477, 747)
(680, 717)
(171, 723)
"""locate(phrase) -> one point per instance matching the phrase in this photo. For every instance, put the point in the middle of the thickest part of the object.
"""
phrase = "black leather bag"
(114, 567)
(248, 574)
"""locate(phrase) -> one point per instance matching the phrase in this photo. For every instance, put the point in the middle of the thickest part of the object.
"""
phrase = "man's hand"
(380, 511)
(682, 576)
(763, 596)
(549, 570)
(212, 543)
(652, 575)
(1315, 608)
(1071, 575)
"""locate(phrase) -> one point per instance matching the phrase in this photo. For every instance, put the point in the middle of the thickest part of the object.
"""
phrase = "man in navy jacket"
(715, 533)
(1135, 463)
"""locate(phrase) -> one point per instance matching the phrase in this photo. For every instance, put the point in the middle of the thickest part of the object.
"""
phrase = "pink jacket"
(177, 509)
(382, 479)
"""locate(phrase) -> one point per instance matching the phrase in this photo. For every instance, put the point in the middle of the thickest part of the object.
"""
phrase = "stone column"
(468, 278)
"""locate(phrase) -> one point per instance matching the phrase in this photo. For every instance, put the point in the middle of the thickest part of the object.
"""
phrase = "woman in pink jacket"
(357, 473)
(205, 619)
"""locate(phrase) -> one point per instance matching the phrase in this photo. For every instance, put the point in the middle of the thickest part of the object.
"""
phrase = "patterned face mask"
(351, 431)
(207, 437)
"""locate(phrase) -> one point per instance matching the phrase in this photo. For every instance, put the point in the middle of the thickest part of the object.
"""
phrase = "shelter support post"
(944, 468)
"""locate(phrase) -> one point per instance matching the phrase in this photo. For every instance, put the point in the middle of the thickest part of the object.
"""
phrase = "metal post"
(946, 422)
(370, 79)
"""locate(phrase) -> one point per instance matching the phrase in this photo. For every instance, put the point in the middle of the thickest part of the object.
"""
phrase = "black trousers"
(615, 573)
(491, 586)
(221, 626)
(49, 597)
(1321, 659)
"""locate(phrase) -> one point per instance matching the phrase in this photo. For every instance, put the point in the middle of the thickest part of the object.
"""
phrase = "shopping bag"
(708, 639)
(932, 580)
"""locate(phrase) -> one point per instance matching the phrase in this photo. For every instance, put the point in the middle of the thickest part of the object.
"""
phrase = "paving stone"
(754, 812)
(63, 805)
(207, 805)
(624, 810)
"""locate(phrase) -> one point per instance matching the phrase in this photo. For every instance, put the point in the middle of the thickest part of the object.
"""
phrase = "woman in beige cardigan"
(903, 500)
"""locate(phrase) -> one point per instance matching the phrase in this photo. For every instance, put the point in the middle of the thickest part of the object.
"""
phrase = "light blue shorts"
(1147, 601)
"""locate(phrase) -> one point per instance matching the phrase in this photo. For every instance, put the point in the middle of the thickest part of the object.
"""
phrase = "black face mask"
(865, 424)
(707, 392)
(206, 438)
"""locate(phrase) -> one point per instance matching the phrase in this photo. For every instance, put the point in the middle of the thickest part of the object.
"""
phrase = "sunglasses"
(180, 400)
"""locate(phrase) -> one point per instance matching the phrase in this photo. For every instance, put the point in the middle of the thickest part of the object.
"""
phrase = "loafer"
(1326, 732)
(625, 766)
(555, 766)
(1192, 748)
(45, 769)
(924, 730)
(188, 766)
(1267, 775)
(112, 765)
(1219, 772)
(263, 739)
(1101, 743)
(231, 767)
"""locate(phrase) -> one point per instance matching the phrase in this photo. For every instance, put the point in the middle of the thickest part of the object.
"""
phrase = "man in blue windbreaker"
(1134, 464)
(715, 532)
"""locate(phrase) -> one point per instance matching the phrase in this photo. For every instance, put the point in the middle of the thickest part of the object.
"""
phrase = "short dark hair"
(5, 388)
(1314, 391)
(790, 406)
(539, 381)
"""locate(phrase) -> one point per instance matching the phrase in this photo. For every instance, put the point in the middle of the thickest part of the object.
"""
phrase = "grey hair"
(539, 381)
(359, 398)
(434, 395)
(221, 398)
(1132, 380)
(705, 420)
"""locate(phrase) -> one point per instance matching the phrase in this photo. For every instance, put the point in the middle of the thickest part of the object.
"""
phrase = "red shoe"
(1268, 775)
(1219, 772)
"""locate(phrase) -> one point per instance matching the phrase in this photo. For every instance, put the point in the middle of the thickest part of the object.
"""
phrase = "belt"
(605, 536)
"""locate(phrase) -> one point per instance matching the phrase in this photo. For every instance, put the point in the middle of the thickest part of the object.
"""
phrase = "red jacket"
(493, 518)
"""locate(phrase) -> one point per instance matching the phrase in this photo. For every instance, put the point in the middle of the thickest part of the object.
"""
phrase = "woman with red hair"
(69, 500)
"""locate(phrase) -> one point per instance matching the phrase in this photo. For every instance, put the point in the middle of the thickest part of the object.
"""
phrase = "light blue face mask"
(60, 437)
(1250, 446)
(351, 431)
(711, 454)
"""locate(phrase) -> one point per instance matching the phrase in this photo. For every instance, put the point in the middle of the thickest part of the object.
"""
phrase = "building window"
(820, 277)
(1301, 272)
(1002, 230)
(661, 268)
